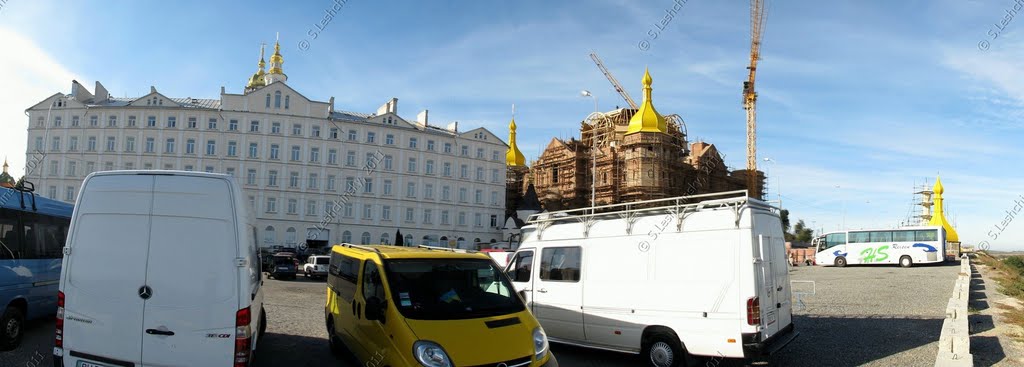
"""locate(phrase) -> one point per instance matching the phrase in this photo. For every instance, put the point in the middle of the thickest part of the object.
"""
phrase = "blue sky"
(870, 96)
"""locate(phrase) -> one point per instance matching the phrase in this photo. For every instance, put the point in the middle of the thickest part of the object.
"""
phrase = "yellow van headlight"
(540, 342)
(430, 354)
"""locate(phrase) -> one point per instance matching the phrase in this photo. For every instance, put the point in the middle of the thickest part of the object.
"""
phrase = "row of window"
(560, 264)
(370, 212)
(835, 239)
(276, 128)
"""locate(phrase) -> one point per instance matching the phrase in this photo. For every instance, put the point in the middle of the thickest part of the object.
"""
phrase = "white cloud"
(32, 75)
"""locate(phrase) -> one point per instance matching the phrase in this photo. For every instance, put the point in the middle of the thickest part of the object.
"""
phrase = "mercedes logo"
(145, 292)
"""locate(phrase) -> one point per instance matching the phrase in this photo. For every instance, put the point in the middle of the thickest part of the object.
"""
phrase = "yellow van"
(428, 306)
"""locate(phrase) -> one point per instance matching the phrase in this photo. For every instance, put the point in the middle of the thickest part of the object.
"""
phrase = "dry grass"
(1010, 275)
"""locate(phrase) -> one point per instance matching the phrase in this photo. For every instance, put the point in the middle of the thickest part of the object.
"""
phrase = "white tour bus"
(904, 246)
(160, 269)
(699, 275)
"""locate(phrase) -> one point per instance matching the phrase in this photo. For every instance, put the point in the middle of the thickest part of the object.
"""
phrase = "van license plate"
(90, 364)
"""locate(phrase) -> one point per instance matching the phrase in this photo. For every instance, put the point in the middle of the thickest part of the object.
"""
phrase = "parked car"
(161, 305)
(713, 282)
(407, 306)
(316, 266)
(285, 266)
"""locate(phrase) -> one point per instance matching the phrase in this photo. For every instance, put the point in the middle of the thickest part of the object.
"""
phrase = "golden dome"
(513, 157)
(257, 78)
(939, 216)
(276, 60)
(646, 118)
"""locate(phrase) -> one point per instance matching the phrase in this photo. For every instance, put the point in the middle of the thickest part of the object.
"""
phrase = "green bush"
(1016, 263)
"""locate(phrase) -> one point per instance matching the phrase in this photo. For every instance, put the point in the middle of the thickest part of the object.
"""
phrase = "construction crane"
(757, 19)
(615, 83)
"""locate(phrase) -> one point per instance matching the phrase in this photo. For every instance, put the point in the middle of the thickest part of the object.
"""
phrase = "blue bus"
(32, 234)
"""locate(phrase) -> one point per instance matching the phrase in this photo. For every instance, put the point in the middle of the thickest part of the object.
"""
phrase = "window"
(881, 236)
(91, 144)
(169, 166)
(293, 180)
(350, 184)
(271, 205)
(444, 218)
(430, 145)
(147, 166)
(287, 101)
(73, 144)
(367, 211)
(69, 194)
(230, 171)
(409, 214)
(232, 148)
(462, 218)
(56, 121)
(210, 125)
(462, 194)
(387, 187)
(366, 241)
(314, 155)
(494, 198)
(272, 178)
(343, 271)
(370, 137)
(412, 164)
(108, 166)
(70, 172)
(55, 144)
(39, 143)
(111, 144)
(274, 151)
(385, 212)
(494, 221)
(330, 182)
(209, 169)
(188, 167)
(428, 216)
(350, 158)
(296, 129)
(494, 175)
(447, 169)
(268, 100)
(296, 153)
(560, 264)
(480, 153)
(495, 156)
(150, 145)
(388, 166)
(478, 220)
(389, 139)
(254, 151)
(250, 177)
(169, 146)
(233, 125)
(478, 197)
(430, 167)
(465, 150)
(835, 239)
(521, 266)
(352, 135)
(346, 237)
(370, 162)
(211, 147)
(129, 144)
(277, 99)
(94, 121)
(926, 235)
(902, 236)
(293, 206)
(463, 171)
(314, 181)
(348, 210)
(254, 126)
(412, 143)
(428, 191)
(311, 208)
(447, 147)
(151, 121)
(410, 190)
(190, 146)
(193, 123)
(171, 121)
(275, 127)
(479, 173)
(315, 131)
(334, 133)
(332, 156)
(74, 121)
(53, 191)
(446, 193)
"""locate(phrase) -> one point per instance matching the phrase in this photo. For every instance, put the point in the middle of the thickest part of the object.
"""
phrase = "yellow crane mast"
(757, 20)
(615, 83)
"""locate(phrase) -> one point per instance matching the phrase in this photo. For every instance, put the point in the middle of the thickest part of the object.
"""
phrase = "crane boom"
(757, 21)
(615, 83)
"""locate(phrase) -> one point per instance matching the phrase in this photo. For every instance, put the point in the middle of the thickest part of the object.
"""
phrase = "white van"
(160, 269)
(690, 276)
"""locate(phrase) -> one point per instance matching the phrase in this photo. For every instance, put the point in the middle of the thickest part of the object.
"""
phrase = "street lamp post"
(593, 149)
(778, 190)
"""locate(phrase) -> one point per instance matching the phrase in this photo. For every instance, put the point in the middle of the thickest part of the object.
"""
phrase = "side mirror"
(375, 309)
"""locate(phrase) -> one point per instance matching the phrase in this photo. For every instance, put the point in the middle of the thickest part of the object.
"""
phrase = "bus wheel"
(12, 326)
(664, 350)
(840, 261)
(906, 261)
(332, 339)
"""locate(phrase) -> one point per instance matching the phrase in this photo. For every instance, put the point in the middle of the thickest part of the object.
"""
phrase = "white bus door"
(520, 271)
(558, 293)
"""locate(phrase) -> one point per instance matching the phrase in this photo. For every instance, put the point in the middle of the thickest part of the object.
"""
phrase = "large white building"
(295, 157)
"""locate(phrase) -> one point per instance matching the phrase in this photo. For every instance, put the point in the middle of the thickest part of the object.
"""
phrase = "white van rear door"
(192, 274)
(106, 268)
(768, 293)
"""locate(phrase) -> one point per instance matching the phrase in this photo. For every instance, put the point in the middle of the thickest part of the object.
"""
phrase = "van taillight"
(753, 311)
(243, 337)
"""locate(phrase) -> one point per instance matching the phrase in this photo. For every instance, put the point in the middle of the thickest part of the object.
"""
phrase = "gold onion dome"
(646, 118)
(939, 217)
(257, 78)
(513, 157)
(276, 60)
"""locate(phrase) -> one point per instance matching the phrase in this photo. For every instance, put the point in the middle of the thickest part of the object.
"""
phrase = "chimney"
(393, 106)
(454, 126)
(422, 117)
(152, 89)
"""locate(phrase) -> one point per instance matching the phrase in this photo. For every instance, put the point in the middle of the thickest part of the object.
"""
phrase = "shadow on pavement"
(840, 341)
(987, 351)
(295, 350)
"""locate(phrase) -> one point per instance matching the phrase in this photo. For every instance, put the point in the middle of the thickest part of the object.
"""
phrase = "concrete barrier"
(955, 338)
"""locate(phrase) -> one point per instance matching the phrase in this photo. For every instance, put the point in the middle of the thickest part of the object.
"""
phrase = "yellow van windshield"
(447, 289)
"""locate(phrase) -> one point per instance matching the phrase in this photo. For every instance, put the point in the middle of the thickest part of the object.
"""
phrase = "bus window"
(859, 237)
(835, 239)
(926, 235)
(903, 236)
(8, 237)
(43, 236)
(882, 236)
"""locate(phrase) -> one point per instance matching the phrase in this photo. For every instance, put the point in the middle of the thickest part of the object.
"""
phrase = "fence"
(955, 339)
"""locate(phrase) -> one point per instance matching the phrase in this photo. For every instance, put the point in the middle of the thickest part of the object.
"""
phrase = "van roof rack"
(678, 206)
(459, 250)
(365, 248)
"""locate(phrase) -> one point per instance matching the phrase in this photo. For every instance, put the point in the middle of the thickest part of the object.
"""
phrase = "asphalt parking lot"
(874, 316)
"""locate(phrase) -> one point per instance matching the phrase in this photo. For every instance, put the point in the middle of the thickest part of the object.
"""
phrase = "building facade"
(309, 171)
(629, 155)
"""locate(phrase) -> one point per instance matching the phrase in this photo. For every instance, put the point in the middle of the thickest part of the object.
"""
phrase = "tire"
(12, 328)
(263, 322)
(664, 350)
(841, 262)
(332, 340)
(906, 261)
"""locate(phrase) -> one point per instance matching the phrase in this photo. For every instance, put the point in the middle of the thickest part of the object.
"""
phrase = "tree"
(784, 215)
(399, 240)
(801, 233)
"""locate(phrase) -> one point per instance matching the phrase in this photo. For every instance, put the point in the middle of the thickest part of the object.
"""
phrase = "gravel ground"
(870, 315)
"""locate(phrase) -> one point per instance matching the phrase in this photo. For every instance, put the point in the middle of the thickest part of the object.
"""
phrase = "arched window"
(494, 240)
(289, 236)
(287, 99)
(269, 236)
(408, 240)
(365, 239)
(268, 100)
(476, 240)
(346, 237)
(384, 239)
(277, 99)
(444, 238)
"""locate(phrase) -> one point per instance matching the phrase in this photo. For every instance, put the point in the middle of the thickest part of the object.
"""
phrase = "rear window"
(323, 260)
(281, 260)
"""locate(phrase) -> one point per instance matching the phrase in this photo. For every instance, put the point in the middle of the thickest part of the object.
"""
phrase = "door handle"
(159, 332)
(542, 290)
